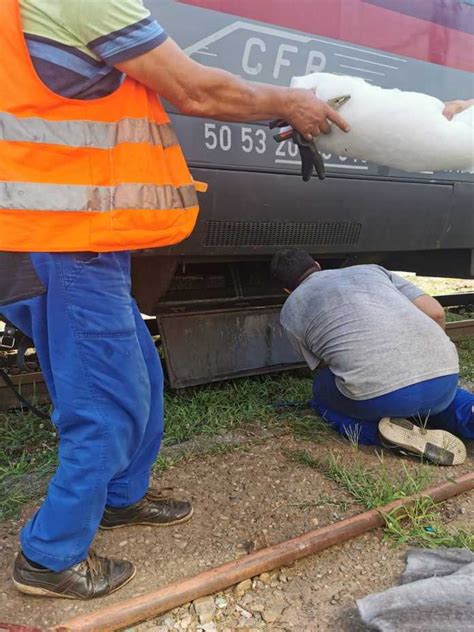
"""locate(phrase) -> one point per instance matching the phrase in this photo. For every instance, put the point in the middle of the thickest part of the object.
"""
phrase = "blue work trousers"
(439, 402)
(106, 385)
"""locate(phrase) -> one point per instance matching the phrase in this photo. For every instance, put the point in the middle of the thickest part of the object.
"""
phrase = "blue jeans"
(446, 406)
(106, 385)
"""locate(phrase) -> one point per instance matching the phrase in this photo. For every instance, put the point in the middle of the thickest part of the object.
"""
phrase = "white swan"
(398, 129)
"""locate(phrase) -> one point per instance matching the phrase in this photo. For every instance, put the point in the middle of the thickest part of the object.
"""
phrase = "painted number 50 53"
(221, 137)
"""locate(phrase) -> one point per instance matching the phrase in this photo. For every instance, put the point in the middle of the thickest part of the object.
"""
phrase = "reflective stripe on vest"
(95, 174)
(86, 133)
(73, 198)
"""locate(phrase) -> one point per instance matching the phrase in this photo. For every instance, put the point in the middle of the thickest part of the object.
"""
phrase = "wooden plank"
(460, 329)
(30, 385)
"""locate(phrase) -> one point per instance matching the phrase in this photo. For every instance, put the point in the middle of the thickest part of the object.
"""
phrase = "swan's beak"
(338, 102)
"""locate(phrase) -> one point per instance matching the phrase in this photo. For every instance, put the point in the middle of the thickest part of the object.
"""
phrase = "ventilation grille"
(228, 234)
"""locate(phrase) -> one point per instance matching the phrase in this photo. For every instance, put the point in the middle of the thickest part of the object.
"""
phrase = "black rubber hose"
(36, 411)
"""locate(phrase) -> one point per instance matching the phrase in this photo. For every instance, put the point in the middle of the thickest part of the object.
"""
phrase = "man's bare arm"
(198, 90)
(431, 308)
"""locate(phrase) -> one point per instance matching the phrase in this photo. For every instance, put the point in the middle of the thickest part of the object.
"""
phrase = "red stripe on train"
(360, 23)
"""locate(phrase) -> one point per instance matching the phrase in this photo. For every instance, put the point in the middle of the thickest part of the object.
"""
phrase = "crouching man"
(382, 354)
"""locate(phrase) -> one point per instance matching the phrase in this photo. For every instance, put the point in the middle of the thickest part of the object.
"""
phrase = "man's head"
(292, 266)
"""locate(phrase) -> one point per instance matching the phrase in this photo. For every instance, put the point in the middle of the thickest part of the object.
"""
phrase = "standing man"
(380, 345)
(90, 169)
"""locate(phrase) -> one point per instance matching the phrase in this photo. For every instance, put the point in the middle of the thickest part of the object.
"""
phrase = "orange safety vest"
(97, 175)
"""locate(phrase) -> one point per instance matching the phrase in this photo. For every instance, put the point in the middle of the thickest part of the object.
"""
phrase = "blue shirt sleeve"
(129, 42)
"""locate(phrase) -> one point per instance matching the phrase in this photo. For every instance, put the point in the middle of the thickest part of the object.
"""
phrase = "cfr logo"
(256, 56)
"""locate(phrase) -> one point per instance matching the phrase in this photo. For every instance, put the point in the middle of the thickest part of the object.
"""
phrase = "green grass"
(27, 459)
(310, 428)
(421, 525)
(302, 458)
(453, 317)
(465, 347)
(376, 486)
(370, 487)
(232, 405)
(162, 463)
(466, 358)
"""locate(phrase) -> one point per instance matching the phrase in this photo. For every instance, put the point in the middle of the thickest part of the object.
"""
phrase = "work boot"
(438, 446)
(153, 509)
(94, 577)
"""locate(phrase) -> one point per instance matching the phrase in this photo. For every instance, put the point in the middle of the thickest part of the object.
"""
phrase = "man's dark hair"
(289, 266)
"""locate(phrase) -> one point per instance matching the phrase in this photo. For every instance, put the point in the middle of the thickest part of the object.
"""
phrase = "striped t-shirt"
(74, 44)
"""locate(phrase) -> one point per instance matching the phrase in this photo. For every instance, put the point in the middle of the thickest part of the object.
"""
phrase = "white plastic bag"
(402, 130)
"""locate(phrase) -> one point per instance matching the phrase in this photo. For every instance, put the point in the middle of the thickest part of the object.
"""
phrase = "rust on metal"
(147, 606)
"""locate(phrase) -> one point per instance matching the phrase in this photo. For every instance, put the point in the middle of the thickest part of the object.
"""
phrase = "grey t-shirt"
(360, 321)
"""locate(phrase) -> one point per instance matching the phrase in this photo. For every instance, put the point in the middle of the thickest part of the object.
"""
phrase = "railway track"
(32, 387)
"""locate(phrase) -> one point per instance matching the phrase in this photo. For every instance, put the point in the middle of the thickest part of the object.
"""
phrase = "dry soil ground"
(248, 498)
